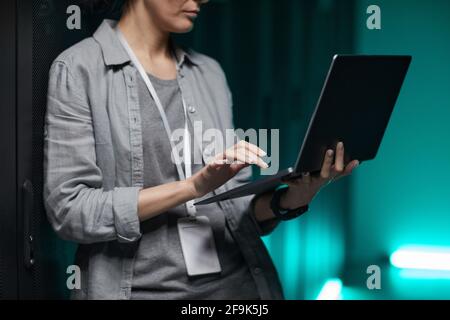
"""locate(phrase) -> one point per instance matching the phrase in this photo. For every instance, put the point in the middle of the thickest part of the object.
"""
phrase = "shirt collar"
(115, 54)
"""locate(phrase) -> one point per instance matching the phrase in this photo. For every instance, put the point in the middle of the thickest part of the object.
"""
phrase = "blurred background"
(276, 55)
(394, 212)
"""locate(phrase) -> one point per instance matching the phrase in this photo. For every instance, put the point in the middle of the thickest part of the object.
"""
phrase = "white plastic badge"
(198, 246)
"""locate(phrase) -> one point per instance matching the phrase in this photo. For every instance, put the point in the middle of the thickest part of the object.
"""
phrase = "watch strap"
(285, 214)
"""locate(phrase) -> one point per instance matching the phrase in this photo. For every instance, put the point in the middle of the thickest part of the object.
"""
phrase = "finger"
(339, 161)
(349, 168)
(218, 164)
(246, 156)
(240, 155)
(251, 147)
(326, 167)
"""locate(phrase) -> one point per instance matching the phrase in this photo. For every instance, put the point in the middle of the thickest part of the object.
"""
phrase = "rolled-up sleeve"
(77, 206)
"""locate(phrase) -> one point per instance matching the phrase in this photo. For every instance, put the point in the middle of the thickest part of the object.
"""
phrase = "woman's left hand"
(302, 190)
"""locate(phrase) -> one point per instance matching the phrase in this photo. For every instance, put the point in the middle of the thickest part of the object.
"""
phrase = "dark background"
(275, 55)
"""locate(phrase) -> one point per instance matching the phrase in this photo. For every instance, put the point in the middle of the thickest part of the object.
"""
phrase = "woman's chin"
(183, 26)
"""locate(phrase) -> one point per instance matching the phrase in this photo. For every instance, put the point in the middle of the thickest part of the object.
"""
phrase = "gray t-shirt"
(159, 270)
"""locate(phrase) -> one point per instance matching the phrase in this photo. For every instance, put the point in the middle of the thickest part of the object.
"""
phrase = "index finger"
(253, 148)
(339, 161)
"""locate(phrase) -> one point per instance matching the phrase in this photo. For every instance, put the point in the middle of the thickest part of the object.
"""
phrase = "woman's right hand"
(225, 166)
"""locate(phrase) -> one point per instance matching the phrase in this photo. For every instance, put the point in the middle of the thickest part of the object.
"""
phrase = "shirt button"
(130, 81)
(192, 109)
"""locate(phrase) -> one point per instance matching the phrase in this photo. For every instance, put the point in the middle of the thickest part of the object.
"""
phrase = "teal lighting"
(331, 290)
(422, 258)
(424, 274)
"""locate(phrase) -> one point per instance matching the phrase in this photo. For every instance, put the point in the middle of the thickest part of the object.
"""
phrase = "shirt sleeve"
(78, 207)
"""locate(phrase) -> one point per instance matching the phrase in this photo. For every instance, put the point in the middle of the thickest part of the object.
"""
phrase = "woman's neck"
(146, 39)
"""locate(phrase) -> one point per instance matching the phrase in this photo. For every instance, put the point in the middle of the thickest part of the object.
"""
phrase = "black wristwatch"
(284, 214)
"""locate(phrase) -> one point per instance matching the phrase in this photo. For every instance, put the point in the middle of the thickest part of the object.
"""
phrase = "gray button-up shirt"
(93, 161)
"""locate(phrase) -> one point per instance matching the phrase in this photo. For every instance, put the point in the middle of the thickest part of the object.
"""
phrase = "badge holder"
(197, 243)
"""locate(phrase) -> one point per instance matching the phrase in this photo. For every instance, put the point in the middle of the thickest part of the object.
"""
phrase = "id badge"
(197, 244)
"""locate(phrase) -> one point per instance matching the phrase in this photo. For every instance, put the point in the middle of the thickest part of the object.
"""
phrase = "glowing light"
(422, 258)
(424, 274)
(331, 290)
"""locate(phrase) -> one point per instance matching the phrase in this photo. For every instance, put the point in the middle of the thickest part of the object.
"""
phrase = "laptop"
(355, 105)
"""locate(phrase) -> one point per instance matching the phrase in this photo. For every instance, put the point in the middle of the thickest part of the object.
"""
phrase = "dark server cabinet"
(8, 241)
(33, 260)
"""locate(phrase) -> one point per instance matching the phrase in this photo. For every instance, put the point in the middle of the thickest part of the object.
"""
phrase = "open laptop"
(355, 106)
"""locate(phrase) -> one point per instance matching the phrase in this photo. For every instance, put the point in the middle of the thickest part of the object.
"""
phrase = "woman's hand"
(159, 199)
(225, 166)
(304, 189)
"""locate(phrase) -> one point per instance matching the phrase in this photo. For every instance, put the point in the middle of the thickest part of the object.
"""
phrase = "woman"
(110, 187)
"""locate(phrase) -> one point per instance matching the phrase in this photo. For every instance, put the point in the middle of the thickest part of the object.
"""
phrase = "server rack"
(8, 241)
(33, 260)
